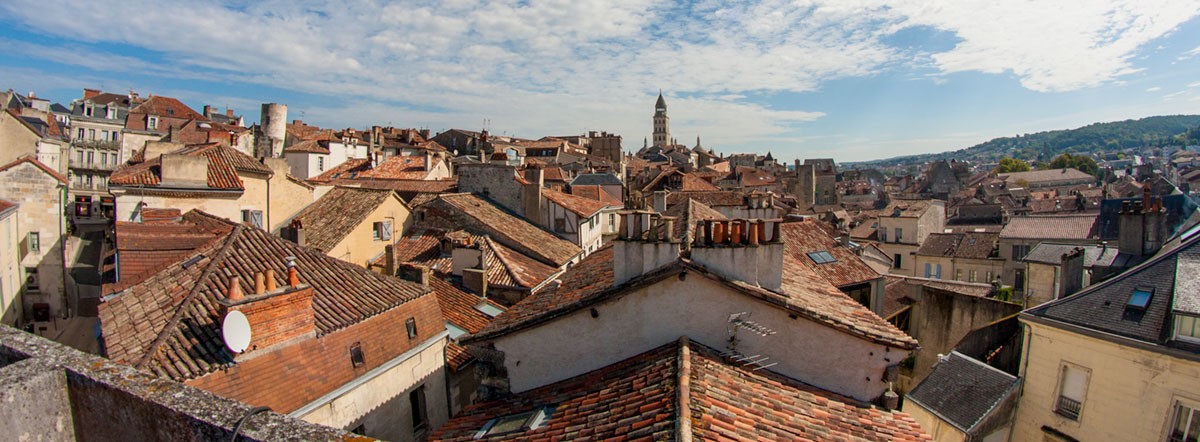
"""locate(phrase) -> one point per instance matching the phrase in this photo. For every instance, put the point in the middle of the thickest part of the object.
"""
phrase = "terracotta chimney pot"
(271, 285)
(293, 277)
(259, 286)
(234, 293)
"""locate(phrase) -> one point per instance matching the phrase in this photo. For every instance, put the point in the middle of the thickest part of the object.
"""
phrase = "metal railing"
(1068, 408)
(74, 163)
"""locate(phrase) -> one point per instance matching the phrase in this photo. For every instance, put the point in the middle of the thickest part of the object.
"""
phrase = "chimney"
(1130, 228)
(644, 244)
(389, 259)
(425, 134)
(184, 170)
(1152, 227)
(733, 254)
(531, 195)
(1071, 273)
(276, 316)
(475, 280)
(89, 93)
(415, 273)
(208, 111)
(229, 112)
(660, 201)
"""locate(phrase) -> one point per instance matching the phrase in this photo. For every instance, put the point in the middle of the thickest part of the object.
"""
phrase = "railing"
(1068, 408)
(74, 163)
(97, 144)
(86, 186)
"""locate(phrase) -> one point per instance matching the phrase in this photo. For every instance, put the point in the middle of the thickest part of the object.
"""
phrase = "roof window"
(1140, 298)
(513, 423)
(488, 309)
(822, 257)
(455, 331)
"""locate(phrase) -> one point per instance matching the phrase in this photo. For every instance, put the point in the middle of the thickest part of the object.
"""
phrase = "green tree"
(1009, 165)
(1081, 162)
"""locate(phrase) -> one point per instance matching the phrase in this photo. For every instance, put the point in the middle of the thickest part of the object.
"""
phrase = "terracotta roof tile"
(472, 213)
(458, 308)
(970, 245)
(307, 146)
(584, 207)
(400, 168)
(597, 193)
(328, 220)
(348, 169)
(506, 267)
(694, 183)
(166, 107)
(809, 236)
(224, 166)
(710, 198)
(687, 215)
(1051, 227)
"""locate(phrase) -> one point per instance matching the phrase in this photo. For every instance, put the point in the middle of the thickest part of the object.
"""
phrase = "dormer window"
(821, 257)
(1140, 298)
(1187, 328)
(152, 123)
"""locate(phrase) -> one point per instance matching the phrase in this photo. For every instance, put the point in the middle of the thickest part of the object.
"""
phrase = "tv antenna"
(235, 330)
(741, 321)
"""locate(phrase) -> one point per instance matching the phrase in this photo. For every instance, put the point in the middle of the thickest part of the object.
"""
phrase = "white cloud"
(1154, 89)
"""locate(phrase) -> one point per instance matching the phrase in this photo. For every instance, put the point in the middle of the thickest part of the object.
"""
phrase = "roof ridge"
(683, 387)
(191, 296)
(500, 256)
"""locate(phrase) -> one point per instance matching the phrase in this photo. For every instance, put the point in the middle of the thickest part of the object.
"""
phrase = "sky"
(845, 79)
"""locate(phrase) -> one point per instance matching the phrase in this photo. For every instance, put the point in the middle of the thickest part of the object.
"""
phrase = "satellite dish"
(235, 329)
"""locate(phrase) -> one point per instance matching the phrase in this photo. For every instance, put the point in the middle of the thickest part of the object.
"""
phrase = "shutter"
(927, 270)
(256, 218)
(938, 270)
(386, 235)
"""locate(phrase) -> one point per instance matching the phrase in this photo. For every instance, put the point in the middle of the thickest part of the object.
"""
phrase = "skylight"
(821, 257)
(455, 331)
(488, 309)
(1140, 298)
(529, 420)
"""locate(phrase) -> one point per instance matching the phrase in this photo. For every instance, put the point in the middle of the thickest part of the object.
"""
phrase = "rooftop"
(813, 236)
(224, 166)
(963, 391)
(477, 215)
(1035, 177)
(330, 219)
(1051, 227)
(970, 245)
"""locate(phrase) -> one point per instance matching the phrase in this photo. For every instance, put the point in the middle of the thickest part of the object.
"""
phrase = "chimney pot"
(293, 277)
(735, 234)
(270, 277)
(259, 285)
(234, 293)
(753, 236)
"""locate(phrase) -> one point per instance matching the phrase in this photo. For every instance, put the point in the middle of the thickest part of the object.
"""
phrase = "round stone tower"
(273, 127)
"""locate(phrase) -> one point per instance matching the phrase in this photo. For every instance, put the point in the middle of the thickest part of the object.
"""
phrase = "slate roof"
(584, 207)
(597, 179)
(1179, 208)
(224, 167)
(809, 236)
(1051, 227)
(963, 391)
(1102, 307)
(168, 323)
(472, 213)
(971, 245)
(803, 292)
(640, 399)
(328, 220)
(1048, 253)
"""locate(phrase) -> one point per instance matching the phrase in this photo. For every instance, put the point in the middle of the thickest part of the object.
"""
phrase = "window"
(899, 235)
(1019, 251)
(933, 271)
(152, 123)
(973, 274)
(80, 136)
(79, 156)
(103, 157)
(416, 399)
(560, 224)
(821, 257)
(1187, 328)
(87, 110)
(35, 242)
(92, 134)
(104, 135)
(254, 217)
(1186, 427)
(381, 231)
(410, 325)
(896, 261)
(455, 331)
(1140, 298)
(488, 309)
(91, 157)
(320, 163)
(115, 135)
(529, 420)
(958, 275)
(31, 279)
(1071, 391)
(356, 355)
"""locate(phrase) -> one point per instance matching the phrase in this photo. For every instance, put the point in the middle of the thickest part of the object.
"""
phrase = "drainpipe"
(62, 250)
(268, 221)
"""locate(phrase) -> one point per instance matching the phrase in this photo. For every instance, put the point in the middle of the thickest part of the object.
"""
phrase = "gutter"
(328, 398)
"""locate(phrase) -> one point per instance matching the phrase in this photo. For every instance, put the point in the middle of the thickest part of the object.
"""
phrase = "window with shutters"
(1185, 424)
(381, 231)
(1072, 389)
(254, 217)
(35, 242)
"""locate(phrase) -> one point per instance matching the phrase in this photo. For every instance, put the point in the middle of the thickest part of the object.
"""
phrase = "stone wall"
(41, 198)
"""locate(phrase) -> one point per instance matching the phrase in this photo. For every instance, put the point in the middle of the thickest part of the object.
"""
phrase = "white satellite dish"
(235, 329)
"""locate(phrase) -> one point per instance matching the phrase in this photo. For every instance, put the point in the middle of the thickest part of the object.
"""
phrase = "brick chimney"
(747, 250)
(644, 243)
(277, 313)
(89, 93)
(660, 201)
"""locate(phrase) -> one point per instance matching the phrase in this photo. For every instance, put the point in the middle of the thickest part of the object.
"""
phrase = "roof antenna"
(740, 321)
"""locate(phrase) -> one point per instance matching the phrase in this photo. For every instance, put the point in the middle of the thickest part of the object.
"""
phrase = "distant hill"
(1043, 146)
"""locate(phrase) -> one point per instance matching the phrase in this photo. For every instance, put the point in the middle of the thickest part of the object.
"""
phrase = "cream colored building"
(904, 228)
(10, 270)
(352, 224)
(41, 232)
(964, 257)
(1120, 360)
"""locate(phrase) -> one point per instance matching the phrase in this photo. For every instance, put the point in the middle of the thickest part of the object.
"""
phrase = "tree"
(1009, 165)
(1081, 162)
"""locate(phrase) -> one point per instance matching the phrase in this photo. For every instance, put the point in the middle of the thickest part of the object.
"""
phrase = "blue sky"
(848, 79)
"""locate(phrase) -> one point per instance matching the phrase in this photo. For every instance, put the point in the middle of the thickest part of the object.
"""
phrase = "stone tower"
(662, 123)
(272, 130)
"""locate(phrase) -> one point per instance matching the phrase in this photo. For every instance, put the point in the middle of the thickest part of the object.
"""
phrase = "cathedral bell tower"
(662, 123)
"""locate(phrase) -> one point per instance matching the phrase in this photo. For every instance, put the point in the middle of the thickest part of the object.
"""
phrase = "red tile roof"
(597, 193)
(640, 399)
(804, 292)
(6, 204)
(476, 215)
(168, 323)
(411, 167)
(458, 307)
(166, 107)
(506, 267)
(584, 207)
(687, 215)
(225, 164)
(694, 183)
(714, 198)
(144, 249)
(1051, 227)
(328, 220)
(809, 236)
(348, 169)
(307, 146)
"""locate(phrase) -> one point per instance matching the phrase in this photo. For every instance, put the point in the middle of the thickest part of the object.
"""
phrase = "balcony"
(85, 186)
(97, 144)
(74, 163)
(1068, 408)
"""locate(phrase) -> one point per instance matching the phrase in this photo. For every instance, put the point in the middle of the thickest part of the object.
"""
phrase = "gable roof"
(596, 179)
(397, 167)
(645, 396)
(810, 236)
(969, 245)
(224, 165)
(38, 164)
(804, 293)
(1094, 255)
(458, 308)
(167, 324)
(1051, 227)
(166, 107)
(328, 220)
(584, 207)
(716, 198)
(963, 391)
(687, 215)
(348, 169)
(597, 193)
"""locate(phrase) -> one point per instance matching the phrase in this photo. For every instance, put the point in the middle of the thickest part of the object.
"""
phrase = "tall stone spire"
(662, 123)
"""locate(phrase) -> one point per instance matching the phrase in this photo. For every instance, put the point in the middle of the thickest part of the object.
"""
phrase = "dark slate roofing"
(1179, 207)
(1102, 307)
(1103, 256)
(596, 179)
(962, 390)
